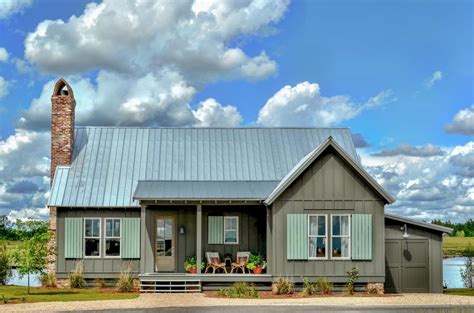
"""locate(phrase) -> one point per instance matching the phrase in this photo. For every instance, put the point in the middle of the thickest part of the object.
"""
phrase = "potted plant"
(190, 265)
(256, 263)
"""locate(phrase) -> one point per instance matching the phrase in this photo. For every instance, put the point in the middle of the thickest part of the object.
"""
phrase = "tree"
(5, 268)
(31, 257)
(468, 272)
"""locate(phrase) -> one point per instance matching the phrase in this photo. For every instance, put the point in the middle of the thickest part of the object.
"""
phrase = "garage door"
(407, 265)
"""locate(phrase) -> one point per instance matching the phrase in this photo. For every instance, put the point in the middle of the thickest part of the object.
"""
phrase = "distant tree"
(467, 228)
(460, 233)
(31, 257)
(468, 271)
(5, 268)
(30, 228)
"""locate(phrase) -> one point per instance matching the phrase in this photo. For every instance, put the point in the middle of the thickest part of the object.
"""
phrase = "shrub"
(324, 285)
(48, 279)
(372, 290)
(468, 271)
(309, 288)
(76, 277)
(283, 286)
(239, 290)
(353, 275)
(100, 283)
(5, 299)
(125, 281)
(5, 269)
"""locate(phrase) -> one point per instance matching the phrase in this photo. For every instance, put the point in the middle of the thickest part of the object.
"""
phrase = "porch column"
(143, 238)
(269, 241)
(198, 237)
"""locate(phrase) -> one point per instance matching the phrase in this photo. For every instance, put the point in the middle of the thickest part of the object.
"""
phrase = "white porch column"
(198, 237)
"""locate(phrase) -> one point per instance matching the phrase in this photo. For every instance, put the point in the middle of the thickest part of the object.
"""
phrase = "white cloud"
(29, 214)
(4, 86)
(303, 105)
(463, 122)
(3, 55)
(10, 7)
(436, 76)
(427, 150)
(212, 113)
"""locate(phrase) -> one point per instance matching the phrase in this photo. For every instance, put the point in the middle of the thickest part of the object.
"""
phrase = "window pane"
(168, 248)
(88, 228)
(336, 225)
(168, 229)
(117, 228)
(317, 247)
(109, 228)
(92, 247)
(112, 247)
(322, 226)
(345, 247)
(230, 223)
(345, 225)
(313, 225)
(230, 236)
(336, 247)
(95, 227)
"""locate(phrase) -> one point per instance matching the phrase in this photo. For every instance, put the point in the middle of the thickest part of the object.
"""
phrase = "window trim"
(237, 229)
(87, 237)
(113, 237)
(326, 257)
(349, 235)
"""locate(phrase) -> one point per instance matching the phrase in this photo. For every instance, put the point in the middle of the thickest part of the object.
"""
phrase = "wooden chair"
(214, 262)
(242, 261)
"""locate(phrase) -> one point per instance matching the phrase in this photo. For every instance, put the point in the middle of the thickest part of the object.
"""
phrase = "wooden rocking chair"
(214, 262)
(242, 261)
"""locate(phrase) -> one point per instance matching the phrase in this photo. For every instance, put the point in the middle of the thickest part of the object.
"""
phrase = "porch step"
(166, 285)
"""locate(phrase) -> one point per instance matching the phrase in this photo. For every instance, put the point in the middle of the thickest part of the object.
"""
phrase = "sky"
(400, 74)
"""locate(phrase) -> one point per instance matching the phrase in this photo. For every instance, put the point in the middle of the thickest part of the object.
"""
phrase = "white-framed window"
(340, 236)
(317, 236)
(113, 237)
(92, 230)
(231, 229)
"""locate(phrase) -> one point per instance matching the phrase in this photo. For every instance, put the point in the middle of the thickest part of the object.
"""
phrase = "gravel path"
(195, 300)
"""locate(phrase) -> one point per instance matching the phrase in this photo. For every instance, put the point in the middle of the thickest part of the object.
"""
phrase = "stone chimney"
(62, 125)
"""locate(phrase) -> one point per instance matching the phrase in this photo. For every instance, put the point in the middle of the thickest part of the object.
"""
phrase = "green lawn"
(455, 246)
(19, 294)
(460, 291)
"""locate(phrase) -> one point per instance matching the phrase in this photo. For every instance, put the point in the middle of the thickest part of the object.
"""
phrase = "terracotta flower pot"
(193, 270)
(257, 270)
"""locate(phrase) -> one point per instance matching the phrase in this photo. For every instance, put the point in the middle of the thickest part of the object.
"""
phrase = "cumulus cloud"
(3, 55)
(463, 122)
(436, 76)
(4, 86)
(427, 150)
(10, 7)
(303, 105)
(212, 113)
(439, 186)
(359, 140)
(29, 214)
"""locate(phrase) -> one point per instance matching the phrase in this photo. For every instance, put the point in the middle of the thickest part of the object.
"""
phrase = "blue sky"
(399, 73)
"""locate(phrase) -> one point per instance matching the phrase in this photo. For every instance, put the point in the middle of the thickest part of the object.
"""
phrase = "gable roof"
(418, 223)
(305, 162)
(108, 162)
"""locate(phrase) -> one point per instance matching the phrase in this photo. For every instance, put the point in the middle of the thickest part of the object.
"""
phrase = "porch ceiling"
(204, 190)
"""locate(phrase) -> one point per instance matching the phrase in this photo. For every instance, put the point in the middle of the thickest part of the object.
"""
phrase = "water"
(16, 280)
(451, 272)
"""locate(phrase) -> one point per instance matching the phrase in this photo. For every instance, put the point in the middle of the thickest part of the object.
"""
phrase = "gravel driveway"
(198, 300)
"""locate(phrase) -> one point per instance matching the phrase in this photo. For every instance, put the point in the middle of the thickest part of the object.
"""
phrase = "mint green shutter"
(131, 237)
(361, 236)
(297, 236)
(215, 230)
(73, 237)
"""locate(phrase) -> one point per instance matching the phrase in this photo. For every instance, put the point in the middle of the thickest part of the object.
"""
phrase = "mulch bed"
(298, 295)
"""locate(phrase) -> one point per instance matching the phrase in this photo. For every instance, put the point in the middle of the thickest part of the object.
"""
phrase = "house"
(149, 198)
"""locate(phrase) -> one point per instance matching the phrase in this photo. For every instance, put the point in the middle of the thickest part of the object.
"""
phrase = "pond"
(16, 280)
(451, 271)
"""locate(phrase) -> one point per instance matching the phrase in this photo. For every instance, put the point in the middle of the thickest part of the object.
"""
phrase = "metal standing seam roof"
(407, 220)
(108, 162)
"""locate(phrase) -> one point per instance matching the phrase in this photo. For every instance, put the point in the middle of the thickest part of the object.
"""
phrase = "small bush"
(324, 285)
(100, 283)
(372, 290)
(353, 276)
(76, 277)
(125, 281)
(5, 299)
(5, 269)
(239, 290)
(283, 286)
(48, 279)
(309, 288)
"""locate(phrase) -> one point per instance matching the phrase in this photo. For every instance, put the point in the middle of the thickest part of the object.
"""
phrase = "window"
(341, 239)
(112, 237)
(92, 237)
(317, 233)
(231, 229)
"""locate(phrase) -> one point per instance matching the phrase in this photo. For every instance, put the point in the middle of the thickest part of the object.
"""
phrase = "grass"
(455, 246)
(460, 291)
(17, 294)
(12, 244)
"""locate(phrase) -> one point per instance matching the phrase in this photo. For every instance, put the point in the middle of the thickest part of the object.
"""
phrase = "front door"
(165, 244)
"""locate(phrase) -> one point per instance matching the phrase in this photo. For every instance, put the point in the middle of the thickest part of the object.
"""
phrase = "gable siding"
(328, 186)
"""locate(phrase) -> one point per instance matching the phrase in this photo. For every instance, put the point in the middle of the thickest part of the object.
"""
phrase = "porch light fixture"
(181, 230)
(405, 233)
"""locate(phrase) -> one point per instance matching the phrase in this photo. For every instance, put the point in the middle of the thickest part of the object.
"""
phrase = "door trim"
(175, 242)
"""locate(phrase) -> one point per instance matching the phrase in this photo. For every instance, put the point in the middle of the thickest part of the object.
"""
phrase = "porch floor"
(206, 277)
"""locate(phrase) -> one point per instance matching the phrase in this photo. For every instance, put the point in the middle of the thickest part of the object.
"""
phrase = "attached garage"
(413, 255)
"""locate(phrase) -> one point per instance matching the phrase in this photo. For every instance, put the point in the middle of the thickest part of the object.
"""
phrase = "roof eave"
(407, 220)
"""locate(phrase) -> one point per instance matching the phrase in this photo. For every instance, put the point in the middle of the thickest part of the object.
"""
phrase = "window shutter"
(73, 238)
(297, 237)
(361, 237)
(131, 237)
(215, 230)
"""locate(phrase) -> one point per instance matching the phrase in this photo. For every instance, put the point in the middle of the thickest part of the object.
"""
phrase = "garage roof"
(418, 223)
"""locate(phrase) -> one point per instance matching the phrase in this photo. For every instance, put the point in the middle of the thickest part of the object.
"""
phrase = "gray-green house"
(149, 198)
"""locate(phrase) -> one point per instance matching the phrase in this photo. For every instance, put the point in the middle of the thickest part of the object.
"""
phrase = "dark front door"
(165, 242)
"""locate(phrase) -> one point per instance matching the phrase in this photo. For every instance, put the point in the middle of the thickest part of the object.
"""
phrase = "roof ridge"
(243, 127)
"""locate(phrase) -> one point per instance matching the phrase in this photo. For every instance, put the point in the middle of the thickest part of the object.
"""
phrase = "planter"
(258, 270)
(193, 270)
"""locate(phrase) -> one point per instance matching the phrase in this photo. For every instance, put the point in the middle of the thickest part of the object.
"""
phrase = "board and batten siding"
(328, 186)
(93, 267)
